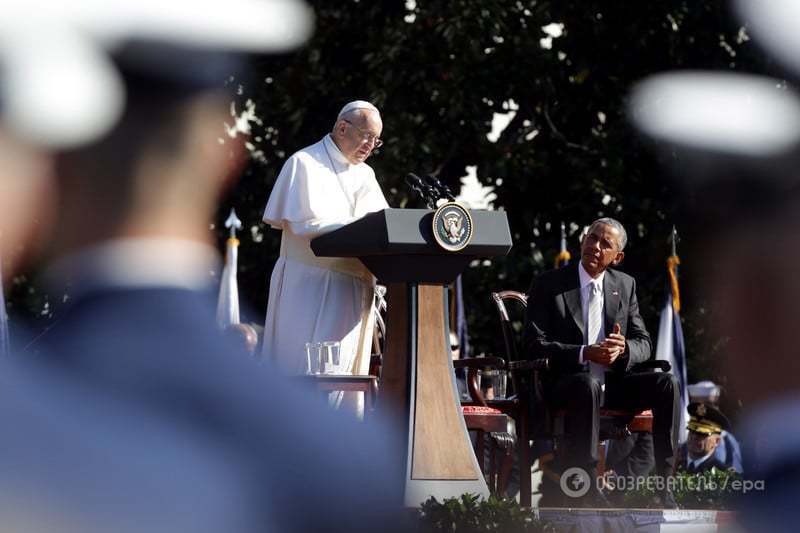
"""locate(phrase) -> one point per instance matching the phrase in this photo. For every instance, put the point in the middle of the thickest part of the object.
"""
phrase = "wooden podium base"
(419, 392)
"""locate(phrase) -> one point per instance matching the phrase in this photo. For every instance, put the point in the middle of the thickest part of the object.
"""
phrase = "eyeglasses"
(368, 137)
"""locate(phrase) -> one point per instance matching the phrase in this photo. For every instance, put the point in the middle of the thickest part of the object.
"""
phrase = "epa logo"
(575, 482)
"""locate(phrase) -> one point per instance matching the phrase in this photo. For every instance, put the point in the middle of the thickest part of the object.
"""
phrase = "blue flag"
(670, 346)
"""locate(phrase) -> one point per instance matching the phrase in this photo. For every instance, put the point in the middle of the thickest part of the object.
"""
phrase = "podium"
(418, 388)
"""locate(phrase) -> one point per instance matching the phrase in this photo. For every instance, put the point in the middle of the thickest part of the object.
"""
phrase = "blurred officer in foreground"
(735, 143)
(71, 463)
(138, 335)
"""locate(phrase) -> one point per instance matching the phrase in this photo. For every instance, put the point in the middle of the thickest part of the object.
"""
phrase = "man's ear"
(618, 259)
(339, 127)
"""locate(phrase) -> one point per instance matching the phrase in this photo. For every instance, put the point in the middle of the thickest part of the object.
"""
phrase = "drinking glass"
(313, 353)
(500, 385)
(331, 357)
(496, 381)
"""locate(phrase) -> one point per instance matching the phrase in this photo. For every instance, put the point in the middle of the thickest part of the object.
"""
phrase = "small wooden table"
(326, 383)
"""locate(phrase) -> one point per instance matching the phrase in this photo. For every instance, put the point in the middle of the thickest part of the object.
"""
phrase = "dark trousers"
(631, 456)
(580, 395)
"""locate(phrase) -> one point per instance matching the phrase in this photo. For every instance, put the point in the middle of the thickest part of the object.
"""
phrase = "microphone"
(442, 190)
(431, 194)
(424, 191)
(414, 182)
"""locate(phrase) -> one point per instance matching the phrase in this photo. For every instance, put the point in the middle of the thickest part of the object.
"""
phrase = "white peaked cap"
(58, 84)
(246, 25)
(703, 391)
(357, 104)
(723, 112)
(774, 25)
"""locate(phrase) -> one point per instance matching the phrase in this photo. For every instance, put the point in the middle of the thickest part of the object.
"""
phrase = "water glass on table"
(313, 357)
(331, 359)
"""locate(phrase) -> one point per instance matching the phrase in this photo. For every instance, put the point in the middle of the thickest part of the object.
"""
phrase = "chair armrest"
(652, 364)
(536, 364)
(479, 363)
(473, 364)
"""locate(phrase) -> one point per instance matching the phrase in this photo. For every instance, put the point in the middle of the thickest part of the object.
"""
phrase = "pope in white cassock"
(321, 188)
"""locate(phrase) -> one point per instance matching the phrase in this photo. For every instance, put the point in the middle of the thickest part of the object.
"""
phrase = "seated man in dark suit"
(706, 424)
(585, 319)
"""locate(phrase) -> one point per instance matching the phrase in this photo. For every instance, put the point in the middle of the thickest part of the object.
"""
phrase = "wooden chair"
(487, 420)
(378, 333)
(518, 406)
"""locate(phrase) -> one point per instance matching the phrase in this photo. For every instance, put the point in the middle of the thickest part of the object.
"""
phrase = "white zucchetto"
(357, 104)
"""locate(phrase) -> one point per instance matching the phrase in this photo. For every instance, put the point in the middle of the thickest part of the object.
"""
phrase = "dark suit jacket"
(554, 319)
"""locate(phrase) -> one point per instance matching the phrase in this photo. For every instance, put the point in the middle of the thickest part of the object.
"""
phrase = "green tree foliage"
(440, 70)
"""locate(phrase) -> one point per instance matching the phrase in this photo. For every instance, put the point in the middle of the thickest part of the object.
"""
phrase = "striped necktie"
(594, 327)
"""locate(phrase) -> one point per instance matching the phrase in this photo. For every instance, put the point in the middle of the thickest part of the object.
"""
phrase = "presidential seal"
(452, 226)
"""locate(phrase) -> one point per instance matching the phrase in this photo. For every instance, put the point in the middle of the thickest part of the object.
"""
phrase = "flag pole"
(228, 299)
(563, 256)
(674, 240)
